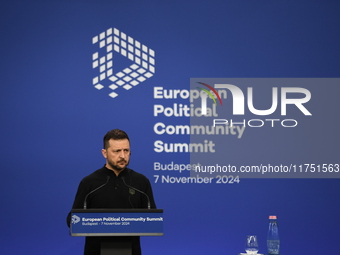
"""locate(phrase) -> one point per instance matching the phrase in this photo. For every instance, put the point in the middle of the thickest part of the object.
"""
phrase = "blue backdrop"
(53, 119)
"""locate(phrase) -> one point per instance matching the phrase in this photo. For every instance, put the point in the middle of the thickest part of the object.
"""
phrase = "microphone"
(138, 191)
(85, 202)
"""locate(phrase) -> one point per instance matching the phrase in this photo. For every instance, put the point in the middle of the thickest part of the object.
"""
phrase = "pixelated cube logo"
(75, 219)
(142, 58)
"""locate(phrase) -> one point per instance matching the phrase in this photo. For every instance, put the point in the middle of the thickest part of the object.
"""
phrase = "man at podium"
(114, 186)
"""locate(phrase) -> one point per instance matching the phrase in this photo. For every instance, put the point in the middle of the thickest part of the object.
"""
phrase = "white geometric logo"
(142, 68)
(75, 219)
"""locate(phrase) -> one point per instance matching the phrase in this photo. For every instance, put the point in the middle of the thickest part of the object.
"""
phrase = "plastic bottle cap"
(272, 217)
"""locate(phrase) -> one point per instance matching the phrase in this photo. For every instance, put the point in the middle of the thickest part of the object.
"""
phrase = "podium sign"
(116, 222)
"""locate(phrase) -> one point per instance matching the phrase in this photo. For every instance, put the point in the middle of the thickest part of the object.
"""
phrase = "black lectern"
(116, 222)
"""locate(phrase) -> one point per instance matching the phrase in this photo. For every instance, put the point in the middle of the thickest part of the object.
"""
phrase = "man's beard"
(116, 167)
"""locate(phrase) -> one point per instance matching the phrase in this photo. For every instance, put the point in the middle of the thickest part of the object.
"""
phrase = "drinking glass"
(252, 246)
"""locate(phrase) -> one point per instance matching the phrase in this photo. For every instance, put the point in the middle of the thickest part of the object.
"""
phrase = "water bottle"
(273, 240)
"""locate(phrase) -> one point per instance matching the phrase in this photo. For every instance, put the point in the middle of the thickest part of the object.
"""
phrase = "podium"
(116, 222)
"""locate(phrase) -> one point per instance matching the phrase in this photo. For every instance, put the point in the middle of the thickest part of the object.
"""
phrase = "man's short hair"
(115, 134)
